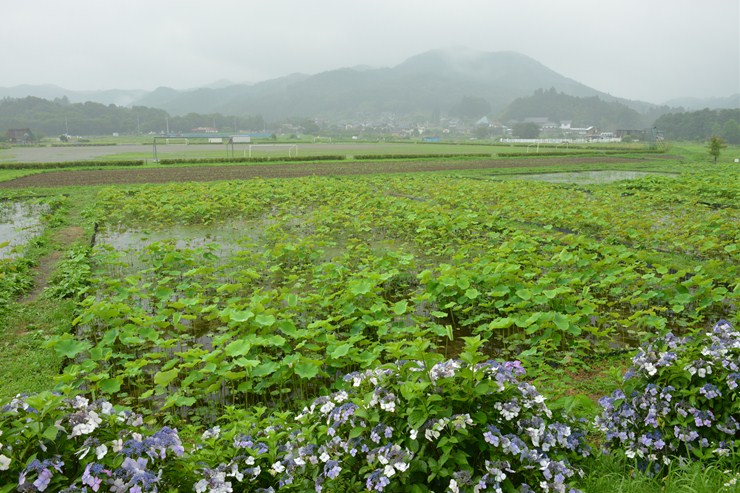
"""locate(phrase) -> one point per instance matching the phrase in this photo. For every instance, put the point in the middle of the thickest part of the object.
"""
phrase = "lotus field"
(404, 333)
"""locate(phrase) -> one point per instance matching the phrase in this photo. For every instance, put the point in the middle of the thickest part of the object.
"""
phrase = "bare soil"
(46, 266)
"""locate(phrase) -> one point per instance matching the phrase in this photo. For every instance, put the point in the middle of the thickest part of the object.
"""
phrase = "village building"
(20, 136)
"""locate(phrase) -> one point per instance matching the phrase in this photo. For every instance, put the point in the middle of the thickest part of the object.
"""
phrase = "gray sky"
(652, 50)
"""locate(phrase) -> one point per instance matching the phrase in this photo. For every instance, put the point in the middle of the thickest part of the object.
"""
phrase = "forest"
(700, 125)
(58, 117)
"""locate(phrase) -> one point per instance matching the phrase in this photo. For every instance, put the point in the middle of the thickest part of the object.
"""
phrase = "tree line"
(60, 117)
(581, 112)
(701, 125)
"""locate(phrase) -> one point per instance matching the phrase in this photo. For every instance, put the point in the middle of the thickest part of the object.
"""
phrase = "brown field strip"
(291, 170)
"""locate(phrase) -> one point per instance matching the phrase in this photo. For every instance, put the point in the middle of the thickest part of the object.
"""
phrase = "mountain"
(119, 97)
(730, 102)
(430, 83)
(425, 86)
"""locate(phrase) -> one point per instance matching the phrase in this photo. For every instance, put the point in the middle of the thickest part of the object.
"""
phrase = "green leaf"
(472, 293)
(524, 293)
(109, 337)
(551, 293)
(71, 347)
(306, 369)
(499, 291)
(241, 316)
(182, 401)
(361, 287)
(287, 327)
(110, 385)
(341, 351)
(399, 308)
(238, 348)
(274, 340)
(291, 299)
(523, 322)
(561, 321)
(501, 323)
(264, 320)
(163, 378)
(50, 433)
(265, 369)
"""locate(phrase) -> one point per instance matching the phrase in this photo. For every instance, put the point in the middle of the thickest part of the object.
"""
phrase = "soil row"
(288, 170)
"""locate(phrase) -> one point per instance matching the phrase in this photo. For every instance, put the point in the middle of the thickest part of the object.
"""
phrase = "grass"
(10, 174)
(26, 365)
(611, 474)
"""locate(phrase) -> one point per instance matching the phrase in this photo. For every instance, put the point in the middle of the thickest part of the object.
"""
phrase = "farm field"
(230, 309)
(162, 174)
(144, 149)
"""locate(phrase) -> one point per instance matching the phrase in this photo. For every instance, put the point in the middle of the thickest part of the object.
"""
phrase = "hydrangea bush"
(453, 425)
(679, 399)
(438, 425)
(52, 443)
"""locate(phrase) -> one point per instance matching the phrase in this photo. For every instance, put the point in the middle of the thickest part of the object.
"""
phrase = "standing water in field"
(584, 177)
(19, 223)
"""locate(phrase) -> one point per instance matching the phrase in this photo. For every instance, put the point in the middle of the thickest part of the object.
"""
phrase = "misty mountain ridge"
(430, 83)
(690, 104)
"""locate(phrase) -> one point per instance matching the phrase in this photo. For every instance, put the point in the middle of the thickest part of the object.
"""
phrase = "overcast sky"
(651, 50)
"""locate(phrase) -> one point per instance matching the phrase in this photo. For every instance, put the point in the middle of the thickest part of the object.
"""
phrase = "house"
(20, 136)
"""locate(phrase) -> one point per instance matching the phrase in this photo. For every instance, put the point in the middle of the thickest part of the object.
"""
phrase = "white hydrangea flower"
(100, 451)
(453, 486)
(431, 434)
(214, 432)
(200, 486)
(88, 426)
(389, 406)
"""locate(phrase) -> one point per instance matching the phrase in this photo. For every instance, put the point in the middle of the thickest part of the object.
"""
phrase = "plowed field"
(245, 172)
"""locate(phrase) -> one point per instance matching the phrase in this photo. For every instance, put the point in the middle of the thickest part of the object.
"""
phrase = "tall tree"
(526, 130)
(716, 144)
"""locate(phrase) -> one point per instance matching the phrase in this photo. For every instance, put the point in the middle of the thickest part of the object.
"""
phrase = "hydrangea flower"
(661, 416)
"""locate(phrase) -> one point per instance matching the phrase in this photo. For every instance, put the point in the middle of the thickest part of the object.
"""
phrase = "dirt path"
(250, 171)
(46, 266)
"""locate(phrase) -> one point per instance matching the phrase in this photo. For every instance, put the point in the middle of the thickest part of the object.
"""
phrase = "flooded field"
(585, 177)
(19, 223)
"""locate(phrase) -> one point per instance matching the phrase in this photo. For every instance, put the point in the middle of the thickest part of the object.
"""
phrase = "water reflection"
(585, 177)
(19, 223)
